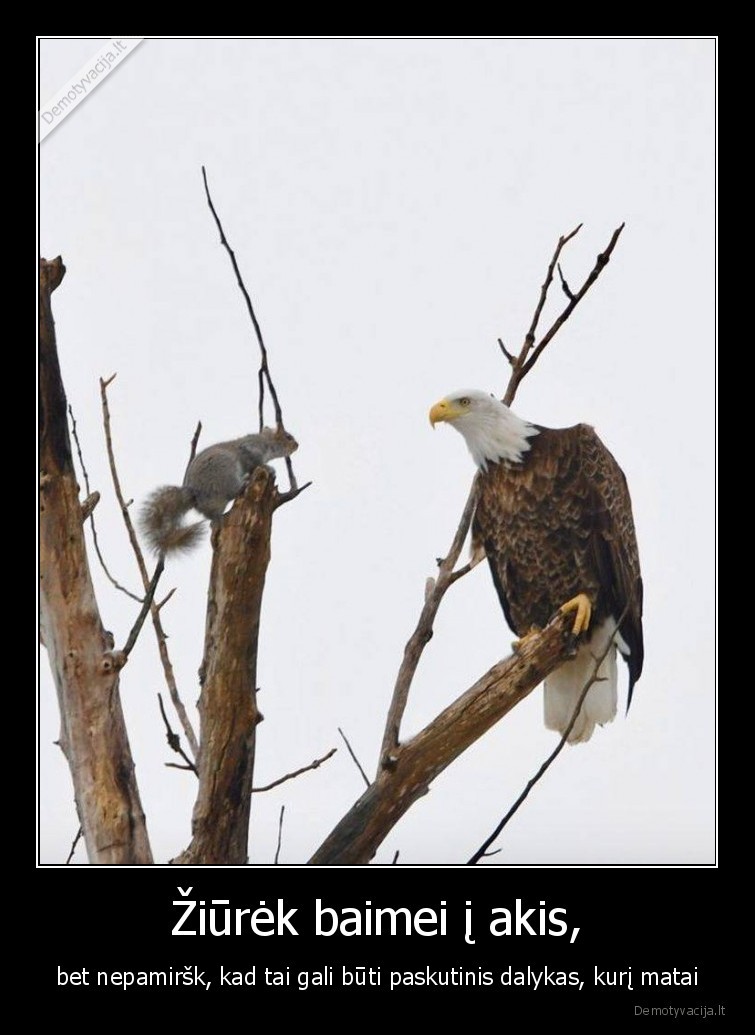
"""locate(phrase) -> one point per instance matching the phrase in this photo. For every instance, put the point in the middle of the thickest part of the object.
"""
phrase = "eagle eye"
(464, 401)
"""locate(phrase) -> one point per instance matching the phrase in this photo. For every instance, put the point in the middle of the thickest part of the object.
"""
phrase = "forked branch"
(414, 765)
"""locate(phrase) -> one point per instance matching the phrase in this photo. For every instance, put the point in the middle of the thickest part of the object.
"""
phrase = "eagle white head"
(492, 432)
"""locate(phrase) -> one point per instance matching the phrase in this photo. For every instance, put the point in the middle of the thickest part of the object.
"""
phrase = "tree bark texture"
(228, 702)
(84, 665)
(411, 767)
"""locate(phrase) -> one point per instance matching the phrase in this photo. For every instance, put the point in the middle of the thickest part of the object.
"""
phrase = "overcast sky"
(393, 204)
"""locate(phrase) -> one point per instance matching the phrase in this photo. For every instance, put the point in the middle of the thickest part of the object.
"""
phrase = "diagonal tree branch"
(147, 580)
(90, 516)
(73, 846)
(417, 762)
(264, 378)
(297, 772)
(149, 596)
(434, 593)
(354, 758)
(529, 338)
(174, 741)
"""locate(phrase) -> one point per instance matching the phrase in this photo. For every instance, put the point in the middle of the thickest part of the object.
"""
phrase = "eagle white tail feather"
(564, 687)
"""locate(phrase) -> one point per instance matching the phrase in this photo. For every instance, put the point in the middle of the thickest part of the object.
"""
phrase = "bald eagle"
(554, 518)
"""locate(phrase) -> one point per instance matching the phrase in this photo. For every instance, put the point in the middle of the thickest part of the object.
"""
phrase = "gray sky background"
(393, 205)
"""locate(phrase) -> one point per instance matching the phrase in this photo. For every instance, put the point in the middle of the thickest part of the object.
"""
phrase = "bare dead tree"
(406, 770)
(228, 700)
(105, 789)
(84, 664)
(107, 798)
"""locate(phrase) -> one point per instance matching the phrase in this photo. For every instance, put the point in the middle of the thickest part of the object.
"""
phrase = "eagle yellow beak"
(443, 410)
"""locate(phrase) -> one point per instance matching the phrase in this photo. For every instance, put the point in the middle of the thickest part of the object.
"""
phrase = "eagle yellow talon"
(581, 604)
(532, 631)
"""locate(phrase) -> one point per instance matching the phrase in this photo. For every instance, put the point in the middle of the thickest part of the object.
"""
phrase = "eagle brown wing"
(614, 547)
(558, 524)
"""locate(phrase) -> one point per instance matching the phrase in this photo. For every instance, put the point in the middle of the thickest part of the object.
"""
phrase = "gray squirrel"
(214, 478)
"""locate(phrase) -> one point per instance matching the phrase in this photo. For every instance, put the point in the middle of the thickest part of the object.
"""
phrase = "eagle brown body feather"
(558, 524)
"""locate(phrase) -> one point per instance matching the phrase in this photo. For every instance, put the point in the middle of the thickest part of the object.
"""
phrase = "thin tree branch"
(174, 742)
(261, 397)
(162, 644)
(290, 494)
(354, 757)
(530, 337)
(483, 849)
(297, 772)
(117, 483)
(424, 630)
(87, 507)
(73, 846)
(460, 573)
(509, 356)
(280, 835)
(90, 516)
(263, 374)
(148, 598)
(564, 286)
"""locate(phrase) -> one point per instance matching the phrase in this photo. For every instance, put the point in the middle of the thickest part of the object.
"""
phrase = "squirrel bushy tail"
(161, 520)
(214, 478)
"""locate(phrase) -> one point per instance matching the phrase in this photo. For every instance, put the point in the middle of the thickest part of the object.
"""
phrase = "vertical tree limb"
(228, 703)
(93, 733)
